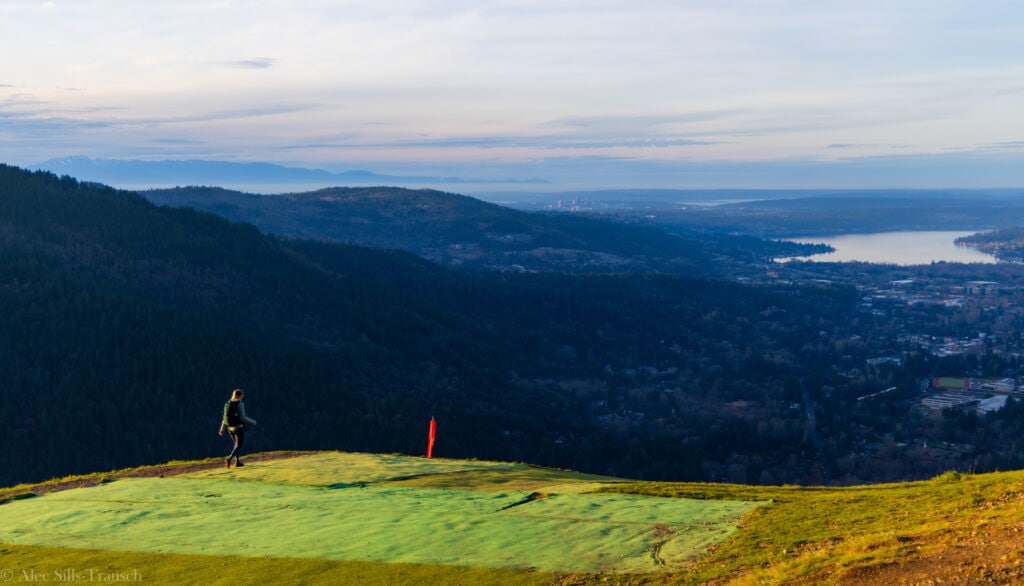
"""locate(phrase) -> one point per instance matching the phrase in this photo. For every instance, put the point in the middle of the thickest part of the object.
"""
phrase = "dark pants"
(238, 436)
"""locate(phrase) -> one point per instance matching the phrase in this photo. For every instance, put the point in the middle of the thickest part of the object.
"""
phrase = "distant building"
(992, 404)
(876, 362)
(981, 288)
(950, 401)
(1004, 386)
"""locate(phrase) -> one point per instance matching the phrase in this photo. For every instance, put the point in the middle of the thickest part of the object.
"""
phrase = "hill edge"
(960, 528)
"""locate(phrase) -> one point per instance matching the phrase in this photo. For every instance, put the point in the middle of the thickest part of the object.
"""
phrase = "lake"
(898, 248)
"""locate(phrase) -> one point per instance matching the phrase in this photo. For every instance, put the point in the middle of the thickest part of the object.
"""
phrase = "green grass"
(383, 509)
(336, 470)
(819, 533)
(810, 535)
(56, 564)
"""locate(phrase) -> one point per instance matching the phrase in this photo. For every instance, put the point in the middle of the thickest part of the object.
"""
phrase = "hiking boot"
(238, 464)
(227, 463)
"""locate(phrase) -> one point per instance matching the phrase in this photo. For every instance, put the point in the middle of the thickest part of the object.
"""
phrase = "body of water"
(898, 248)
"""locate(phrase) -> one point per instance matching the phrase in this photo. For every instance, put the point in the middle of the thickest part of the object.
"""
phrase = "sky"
(588, 93)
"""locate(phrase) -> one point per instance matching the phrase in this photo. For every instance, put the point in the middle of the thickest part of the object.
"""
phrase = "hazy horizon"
(654, 94)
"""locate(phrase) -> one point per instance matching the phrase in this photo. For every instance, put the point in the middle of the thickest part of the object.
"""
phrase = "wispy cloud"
(852, 145)
(255, 111)
(37, 121)
(1011, 146)
(498, 82)
(34, 127)
(542, 142)
(616, 122)
(21, 100)
(175, 141)
(255, 63)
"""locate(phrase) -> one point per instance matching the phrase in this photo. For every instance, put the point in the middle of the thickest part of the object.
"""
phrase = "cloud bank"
(723, 90)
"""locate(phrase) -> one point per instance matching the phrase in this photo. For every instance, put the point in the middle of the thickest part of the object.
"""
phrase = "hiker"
(234, 420)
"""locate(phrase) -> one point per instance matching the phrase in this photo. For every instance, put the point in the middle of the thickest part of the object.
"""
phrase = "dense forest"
(457, 230)
(125, 325)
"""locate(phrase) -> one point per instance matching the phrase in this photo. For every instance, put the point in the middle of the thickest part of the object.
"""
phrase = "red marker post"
(430, 438)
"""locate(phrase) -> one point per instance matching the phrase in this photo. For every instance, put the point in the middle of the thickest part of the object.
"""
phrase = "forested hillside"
(458, 230)
(125, 326)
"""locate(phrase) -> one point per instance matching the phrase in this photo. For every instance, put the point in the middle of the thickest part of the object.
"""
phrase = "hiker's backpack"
(231, 414)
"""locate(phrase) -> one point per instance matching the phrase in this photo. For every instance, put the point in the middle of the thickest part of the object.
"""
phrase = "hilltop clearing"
(373, 508)
(363, 518)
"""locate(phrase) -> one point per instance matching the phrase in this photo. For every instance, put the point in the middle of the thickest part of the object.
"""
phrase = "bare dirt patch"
(992, 556)
(160, 471)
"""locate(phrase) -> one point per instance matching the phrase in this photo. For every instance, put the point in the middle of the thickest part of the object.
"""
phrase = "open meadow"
(332, 517)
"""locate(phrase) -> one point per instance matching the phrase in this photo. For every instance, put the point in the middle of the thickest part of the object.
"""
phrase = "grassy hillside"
(376, 519)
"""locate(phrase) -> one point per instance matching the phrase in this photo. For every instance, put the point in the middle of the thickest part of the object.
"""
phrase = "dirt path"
(160, 470)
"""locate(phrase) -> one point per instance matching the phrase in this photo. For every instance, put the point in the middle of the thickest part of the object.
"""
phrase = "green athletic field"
(381, 509)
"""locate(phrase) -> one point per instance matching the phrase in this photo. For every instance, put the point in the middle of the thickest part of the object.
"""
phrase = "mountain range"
(123, 172)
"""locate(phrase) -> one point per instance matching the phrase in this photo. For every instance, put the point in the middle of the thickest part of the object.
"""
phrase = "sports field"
(375, 508)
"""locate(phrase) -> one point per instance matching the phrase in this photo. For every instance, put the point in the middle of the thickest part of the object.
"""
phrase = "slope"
(365, 518)
(360, 507)
(127, 324)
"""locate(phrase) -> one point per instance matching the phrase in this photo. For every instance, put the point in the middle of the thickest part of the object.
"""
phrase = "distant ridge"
(134, 173)
(453, 229)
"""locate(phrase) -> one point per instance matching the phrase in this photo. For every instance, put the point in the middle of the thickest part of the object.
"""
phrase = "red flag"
(430, 438)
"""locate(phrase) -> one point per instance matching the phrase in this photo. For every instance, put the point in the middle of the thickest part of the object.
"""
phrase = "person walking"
(234, 421)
